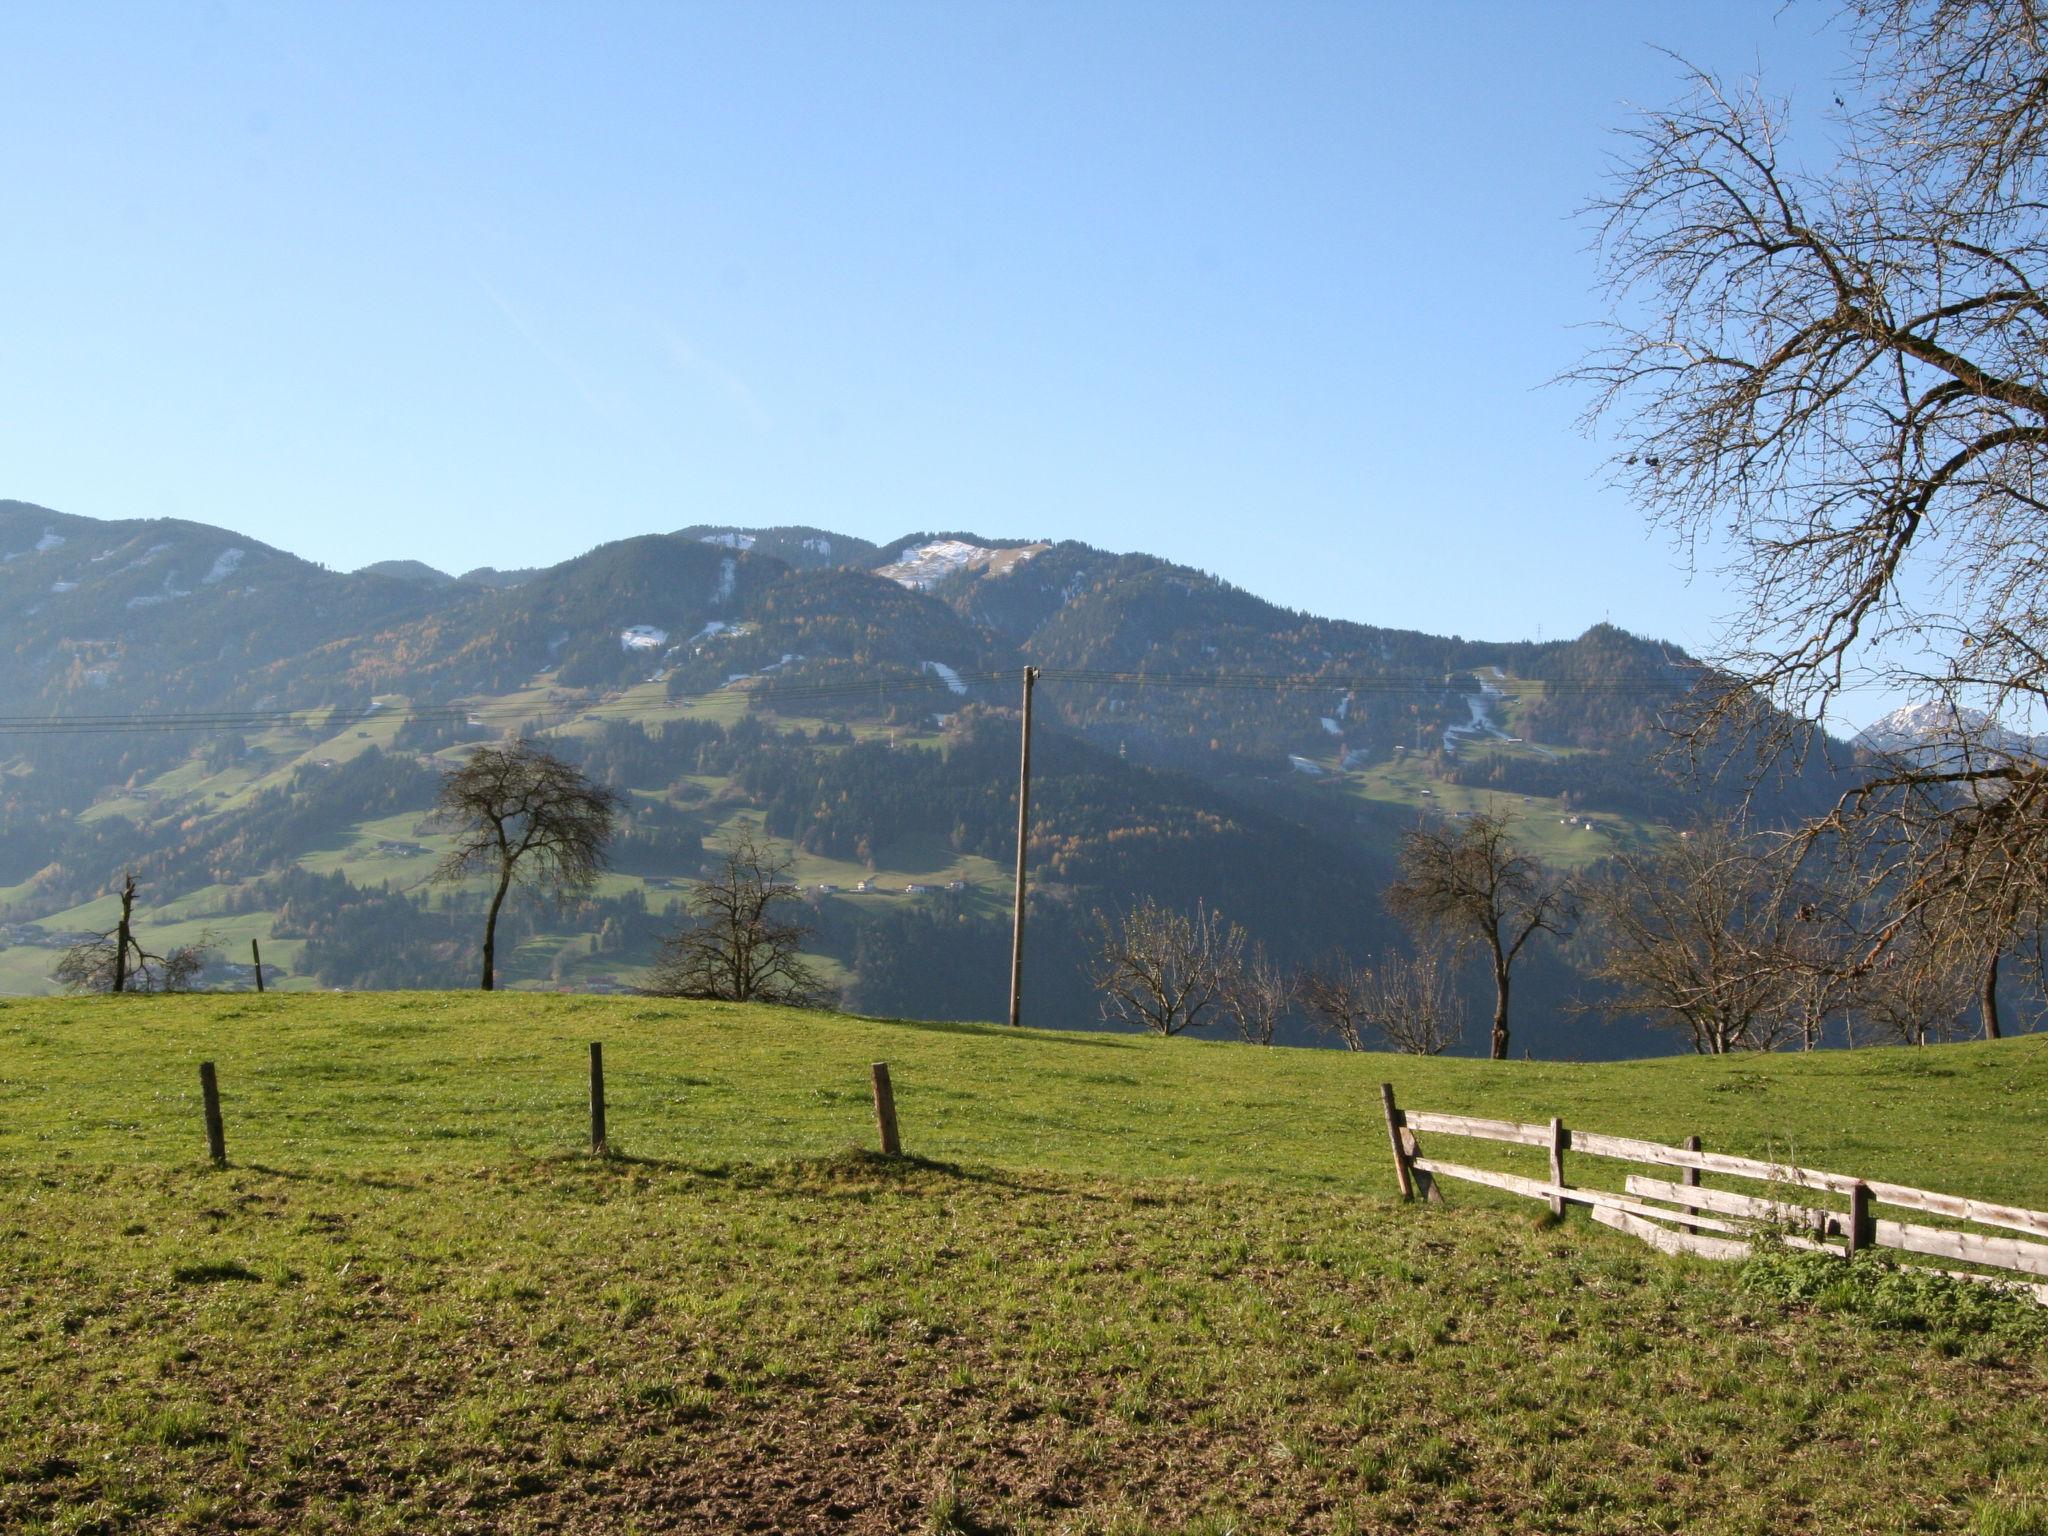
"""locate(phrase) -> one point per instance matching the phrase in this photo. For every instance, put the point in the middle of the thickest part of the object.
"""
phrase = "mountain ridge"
(857, 700)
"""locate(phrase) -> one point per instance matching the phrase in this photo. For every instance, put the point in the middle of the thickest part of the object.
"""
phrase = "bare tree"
(1258, 995)
(1467, 882)
(1337, 994)
(1414, 1003)
(738, 946)
(1408, 1003)
(1836, 368)
(115, 961)
(523, 817)
(1164, 971)
(1709, 935)
(1916, 992)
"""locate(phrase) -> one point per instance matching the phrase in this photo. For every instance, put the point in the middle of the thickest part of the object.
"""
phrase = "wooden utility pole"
(1023, 832)
(256, 958)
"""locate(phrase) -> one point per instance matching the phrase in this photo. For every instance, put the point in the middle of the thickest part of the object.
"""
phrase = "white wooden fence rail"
(1683, 1217)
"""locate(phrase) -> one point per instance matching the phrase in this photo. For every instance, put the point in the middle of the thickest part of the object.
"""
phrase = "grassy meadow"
(1119, 1285)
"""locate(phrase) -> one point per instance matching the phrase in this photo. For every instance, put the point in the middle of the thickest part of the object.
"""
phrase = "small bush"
(1899, 1297)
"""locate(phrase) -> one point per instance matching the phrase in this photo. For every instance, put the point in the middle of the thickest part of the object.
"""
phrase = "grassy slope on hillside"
(1142, 1286)
(437, 1078)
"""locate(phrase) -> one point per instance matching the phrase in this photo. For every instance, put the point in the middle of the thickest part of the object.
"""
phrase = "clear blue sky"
(1268, 288)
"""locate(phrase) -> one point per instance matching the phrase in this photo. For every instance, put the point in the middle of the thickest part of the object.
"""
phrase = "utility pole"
(1023, 830)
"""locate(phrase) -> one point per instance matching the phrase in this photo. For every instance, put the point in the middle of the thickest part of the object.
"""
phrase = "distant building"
(914, 889)
(864, 886)
(956, 885)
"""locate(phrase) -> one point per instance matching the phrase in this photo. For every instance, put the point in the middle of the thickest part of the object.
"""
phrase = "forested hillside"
(259, 740)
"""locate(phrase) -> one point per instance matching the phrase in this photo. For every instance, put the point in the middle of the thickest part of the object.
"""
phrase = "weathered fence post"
(1691, 1176)
(216, 1133)
(1402, 1174)
(1862, 1225)
(256, 956)
(1560, 1138)
(885, 1110)
(597, 1135)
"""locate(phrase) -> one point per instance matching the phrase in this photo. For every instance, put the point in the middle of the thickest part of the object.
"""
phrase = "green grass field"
(1119, 1285)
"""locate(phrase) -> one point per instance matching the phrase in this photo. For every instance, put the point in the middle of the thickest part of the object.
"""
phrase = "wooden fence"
(1683, 1216)
(600, 1138)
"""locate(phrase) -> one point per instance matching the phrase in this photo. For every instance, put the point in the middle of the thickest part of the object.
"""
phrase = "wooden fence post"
(885, 1110)
(256, 955)
(1560, 1138)
(216, 1133)
(1691, 1176)
(597, 1134)
(1862, 1225)
(1402, 1174)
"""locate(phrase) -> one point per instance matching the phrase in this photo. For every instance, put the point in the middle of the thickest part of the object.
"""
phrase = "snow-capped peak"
(1938, 727)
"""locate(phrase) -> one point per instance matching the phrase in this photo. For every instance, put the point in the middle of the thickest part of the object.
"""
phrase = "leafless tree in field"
(1258, 996)
(1916, 992)
(1338, 996)
(1408, 1003)
(1714, 935)
(1465, 882)
(1163, 971)
(1830, 355)
(738, 945)
(1415, 1003)
(115, 961)
(522, 816)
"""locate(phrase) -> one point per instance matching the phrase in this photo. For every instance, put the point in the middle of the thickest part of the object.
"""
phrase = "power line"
(769, 692)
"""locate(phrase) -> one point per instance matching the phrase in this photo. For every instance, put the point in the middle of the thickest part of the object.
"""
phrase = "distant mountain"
(855, 700)
(163, 614)
(802, 549)
(1933, 731)
(489, 576)
(408, 570)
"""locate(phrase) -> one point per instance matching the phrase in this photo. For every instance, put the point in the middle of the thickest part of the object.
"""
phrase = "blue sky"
(1272, 289)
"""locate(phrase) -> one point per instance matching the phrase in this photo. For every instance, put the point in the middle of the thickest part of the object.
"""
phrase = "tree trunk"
(121, 936)
(1500, 1010)
(1991, 1029)
(491, 930)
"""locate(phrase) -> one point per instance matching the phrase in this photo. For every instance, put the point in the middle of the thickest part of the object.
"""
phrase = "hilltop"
(855, 700)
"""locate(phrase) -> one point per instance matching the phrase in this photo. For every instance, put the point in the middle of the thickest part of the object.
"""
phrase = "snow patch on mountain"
(63, 586)
(223, 567)
(819, 547)
(50, 540)
(1330, 725)
(642, 637)
(947, 675)
(1481, 705)
(924, 565)
(728, 540)
(728, 578)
